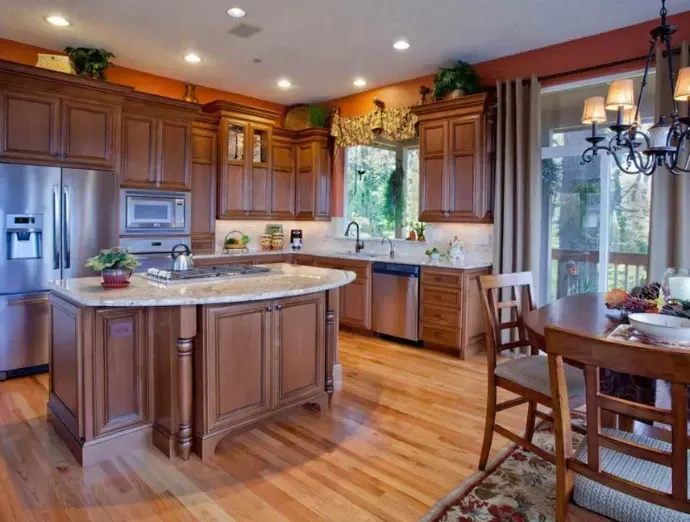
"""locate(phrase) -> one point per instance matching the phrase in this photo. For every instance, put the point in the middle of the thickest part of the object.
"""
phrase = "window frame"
(401, 149)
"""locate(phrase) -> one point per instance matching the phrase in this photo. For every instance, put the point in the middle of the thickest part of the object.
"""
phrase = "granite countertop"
(402, 259)
(283, 281)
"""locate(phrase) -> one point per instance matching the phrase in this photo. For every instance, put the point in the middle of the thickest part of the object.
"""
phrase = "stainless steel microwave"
(154, 212)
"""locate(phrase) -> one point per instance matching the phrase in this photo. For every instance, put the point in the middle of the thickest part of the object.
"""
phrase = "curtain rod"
(594, 68)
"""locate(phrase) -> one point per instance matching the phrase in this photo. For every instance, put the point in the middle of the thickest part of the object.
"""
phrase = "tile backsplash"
(326, 235)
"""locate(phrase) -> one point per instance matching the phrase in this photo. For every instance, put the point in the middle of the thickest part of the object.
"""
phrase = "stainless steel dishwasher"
(395, 300)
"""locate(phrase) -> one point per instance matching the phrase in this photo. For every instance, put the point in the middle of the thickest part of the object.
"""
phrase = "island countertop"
(283, 281)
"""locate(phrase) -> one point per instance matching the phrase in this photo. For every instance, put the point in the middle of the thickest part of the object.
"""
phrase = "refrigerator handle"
(56, 227)
(66, 210)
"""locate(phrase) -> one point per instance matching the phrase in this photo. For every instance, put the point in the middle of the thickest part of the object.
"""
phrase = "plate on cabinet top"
(297, 118)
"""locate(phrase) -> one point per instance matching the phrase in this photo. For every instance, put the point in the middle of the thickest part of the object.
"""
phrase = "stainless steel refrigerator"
(51, 221)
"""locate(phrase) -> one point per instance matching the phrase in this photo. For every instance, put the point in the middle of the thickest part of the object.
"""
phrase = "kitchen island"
(183, 365)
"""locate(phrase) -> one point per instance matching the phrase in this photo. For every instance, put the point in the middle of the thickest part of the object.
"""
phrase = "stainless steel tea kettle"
(182, 260)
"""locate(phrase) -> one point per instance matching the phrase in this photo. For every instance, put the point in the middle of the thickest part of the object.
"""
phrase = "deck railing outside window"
(577, 271)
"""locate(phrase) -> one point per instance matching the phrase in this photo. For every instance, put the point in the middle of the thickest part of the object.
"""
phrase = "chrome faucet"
(359, 244)
(391, 254)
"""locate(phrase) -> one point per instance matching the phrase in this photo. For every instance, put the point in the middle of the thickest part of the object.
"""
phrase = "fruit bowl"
(661, 327)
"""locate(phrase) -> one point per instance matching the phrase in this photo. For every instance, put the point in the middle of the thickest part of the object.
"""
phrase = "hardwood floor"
(404, 429)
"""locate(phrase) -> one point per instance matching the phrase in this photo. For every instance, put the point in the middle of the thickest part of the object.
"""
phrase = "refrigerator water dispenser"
(24, 236)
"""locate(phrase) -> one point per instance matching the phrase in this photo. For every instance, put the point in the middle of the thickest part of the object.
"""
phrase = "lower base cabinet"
(89, 403)
(451, 310)
(255, 359)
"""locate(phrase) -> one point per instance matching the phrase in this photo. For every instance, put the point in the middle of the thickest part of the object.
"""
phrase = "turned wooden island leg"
(331, 340)
(185, 345)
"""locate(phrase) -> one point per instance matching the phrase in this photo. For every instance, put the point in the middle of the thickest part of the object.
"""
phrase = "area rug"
(517, 486)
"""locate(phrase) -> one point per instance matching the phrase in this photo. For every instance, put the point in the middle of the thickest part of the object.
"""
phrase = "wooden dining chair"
(623, 476)
(528, 375)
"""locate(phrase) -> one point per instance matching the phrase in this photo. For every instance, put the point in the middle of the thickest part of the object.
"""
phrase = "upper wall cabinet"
(157, 143)
(204, 174)
(455, 160)
(48, 119)
(245, 160)
(283, 175)
(265, 171)
(313, 177)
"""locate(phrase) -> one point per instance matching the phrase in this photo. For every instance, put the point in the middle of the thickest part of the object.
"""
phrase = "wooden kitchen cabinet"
(451, 310)
(234, 353)
(157, 153)
(90, 404)
(255, 359)
(299, 344)
(175, 156)
(283, 176)
(121, 397)
(313, 176)
(245, 136)
(45, 128)
(455, 160)
(88, 133)
(157, 143)
(203, 183)
(355, 298)
(139, 150)
(269, 172)
(30, 126)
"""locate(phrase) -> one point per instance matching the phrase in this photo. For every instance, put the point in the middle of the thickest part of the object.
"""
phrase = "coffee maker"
(296, 241)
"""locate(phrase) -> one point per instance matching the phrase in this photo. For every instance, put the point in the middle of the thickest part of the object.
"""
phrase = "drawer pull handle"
(279, 307)
(269, 308)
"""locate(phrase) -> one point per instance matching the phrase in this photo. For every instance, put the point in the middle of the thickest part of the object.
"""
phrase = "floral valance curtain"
(391, 124)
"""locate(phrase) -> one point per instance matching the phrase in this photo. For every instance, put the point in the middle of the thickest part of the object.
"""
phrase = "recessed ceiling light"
(401, 45)
(284, 83)
(359, 82)
(57, 20)
(237, 12)
(192, 58)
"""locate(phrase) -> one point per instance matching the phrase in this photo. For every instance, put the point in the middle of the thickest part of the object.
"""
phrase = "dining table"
(587, 314)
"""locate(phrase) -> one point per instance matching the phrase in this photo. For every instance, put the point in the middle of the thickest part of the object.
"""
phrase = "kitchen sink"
(362, 254)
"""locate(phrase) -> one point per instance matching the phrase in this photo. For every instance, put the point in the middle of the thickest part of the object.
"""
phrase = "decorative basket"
(234, 247)
(55, 62)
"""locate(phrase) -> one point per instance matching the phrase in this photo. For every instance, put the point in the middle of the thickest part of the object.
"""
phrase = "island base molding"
(181, 378)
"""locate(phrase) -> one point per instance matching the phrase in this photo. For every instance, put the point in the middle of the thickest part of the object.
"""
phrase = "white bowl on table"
(662, 327)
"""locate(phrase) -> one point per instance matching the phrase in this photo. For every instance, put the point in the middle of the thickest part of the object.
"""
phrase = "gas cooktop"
(203, 273)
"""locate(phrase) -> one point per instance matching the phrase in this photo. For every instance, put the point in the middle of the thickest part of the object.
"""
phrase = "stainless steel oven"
(154, 212)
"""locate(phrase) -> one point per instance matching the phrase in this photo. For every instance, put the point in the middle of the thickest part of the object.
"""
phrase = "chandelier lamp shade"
(667, 143)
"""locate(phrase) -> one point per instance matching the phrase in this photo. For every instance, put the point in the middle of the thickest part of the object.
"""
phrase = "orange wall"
(621, 44)
(27, 54)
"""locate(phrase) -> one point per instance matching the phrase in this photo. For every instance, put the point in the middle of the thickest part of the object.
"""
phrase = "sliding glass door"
(597, 224)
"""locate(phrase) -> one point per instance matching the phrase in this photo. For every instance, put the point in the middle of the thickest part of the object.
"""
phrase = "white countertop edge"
(383, 258)
(101, 299)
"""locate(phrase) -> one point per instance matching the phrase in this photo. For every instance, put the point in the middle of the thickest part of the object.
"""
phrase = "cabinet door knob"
(279, 307)
(269, 308)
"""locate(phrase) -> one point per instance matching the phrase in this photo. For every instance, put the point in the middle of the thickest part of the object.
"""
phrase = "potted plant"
(89, 62)
(318, 115)
(455, 81)
(433, 254)
(417, 229)
(115, 265)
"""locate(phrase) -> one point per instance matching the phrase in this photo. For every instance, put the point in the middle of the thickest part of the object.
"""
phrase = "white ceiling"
(320, 45)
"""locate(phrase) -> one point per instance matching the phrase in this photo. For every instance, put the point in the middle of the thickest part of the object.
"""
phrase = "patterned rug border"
(462, 489)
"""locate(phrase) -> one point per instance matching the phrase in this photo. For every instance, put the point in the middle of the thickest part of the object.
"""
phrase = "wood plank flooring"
(404, 429)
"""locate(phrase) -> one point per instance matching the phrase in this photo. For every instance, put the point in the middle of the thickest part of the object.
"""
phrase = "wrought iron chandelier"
(665, 144)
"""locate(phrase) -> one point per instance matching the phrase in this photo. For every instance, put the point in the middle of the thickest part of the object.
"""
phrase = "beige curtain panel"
(669, 235)
(518, 206)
